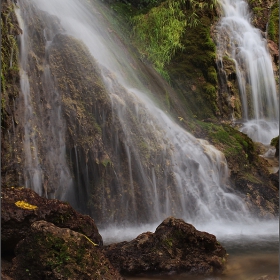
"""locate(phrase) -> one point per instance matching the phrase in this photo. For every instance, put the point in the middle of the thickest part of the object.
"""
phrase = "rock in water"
(21, 207)
(50, 252)
(174, 247)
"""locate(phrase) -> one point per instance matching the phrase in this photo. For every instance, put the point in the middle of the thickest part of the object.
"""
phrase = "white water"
(46, 170)
(33, 171)
(247, 47)
(199, 170)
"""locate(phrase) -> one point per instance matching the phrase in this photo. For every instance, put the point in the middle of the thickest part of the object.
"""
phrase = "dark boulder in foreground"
(50, 252)
(21, 207)
(174, 247)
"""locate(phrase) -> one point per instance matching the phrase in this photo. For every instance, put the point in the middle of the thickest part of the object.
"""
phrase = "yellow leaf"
(25, 205)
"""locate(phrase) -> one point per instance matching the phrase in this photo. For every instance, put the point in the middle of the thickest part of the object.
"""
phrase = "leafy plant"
(158, 33)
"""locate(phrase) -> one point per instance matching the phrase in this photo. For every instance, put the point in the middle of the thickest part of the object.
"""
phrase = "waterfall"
(46, 170)
(245, 44)
(157, 168)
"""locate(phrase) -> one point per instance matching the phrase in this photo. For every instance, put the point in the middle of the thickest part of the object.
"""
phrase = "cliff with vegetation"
(194, 92)
(179, 39)
(183, 51)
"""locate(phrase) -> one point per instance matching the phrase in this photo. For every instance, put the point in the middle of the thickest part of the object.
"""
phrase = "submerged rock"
(174, 247)
(21, 207)
(50, 252)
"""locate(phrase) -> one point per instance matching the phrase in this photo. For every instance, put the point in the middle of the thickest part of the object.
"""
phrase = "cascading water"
(168, 171)
(46, 170)
(245, 44)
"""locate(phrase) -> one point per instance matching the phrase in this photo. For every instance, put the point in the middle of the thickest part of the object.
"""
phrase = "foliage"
(158, 33)
(275, 141)
(273, 24)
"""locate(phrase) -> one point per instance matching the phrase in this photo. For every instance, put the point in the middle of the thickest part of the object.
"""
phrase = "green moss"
(275, 142)
(9, 55)
(258, 10)
(212, 75)
(251, 178)
(273, 23)
(235, 145)
(168, 242)
(106, 161)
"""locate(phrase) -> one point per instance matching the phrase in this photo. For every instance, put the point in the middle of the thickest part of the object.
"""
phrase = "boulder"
(21, 207)
(174, 247)
(50, 252)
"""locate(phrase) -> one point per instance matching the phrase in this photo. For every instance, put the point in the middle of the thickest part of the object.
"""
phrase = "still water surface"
(250, 256)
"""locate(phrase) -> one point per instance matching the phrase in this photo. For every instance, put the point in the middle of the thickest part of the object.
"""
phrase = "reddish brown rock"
(50, 252)
(16, 221)
(174, 247)
(274, 52)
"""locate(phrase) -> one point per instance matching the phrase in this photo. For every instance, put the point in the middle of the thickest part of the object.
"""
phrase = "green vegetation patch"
(9, 55)
(273, 23)
(158, 33)
(233, 143)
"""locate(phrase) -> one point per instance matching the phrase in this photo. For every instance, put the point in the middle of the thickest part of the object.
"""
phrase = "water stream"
(185, 177)
(48, 173)
(245, 44)
(190, 168)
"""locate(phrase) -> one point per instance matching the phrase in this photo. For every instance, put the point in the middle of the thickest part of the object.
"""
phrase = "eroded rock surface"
(16, 221)
(174, 247)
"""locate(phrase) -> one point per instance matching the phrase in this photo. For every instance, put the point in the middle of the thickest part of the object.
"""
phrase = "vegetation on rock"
(11, 160)
(175, 246)
(17, 204)
(49, 252)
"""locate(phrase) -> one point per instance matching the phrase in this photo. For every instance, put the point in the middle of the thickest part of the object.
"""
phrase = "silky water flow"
(187, 177)
(239, 40)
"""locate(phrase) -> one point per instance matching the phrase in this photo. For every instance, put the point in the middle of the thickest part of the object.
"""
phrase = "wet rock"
(274, 52)
(274, 177)
(50, 252)
(16, 220)
(174, 247)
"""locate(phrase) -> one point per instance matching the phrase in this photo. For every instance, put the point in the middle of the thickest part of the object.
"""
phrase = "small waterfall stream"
(48, 174)
(245, 44)
(169, 171)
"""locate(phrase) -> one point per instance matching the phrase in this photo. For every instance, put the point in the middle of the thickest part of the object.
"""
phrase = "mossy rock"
(49, 252)
(175, 246)
(248, 171)
(11, 138)
(275, 142)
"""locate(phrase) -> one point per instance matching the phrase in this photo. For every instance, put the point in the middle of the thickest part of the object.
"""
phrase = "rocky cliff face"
(11, 128)
(94, 141)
